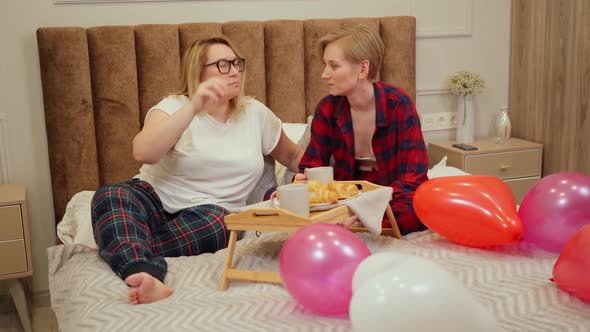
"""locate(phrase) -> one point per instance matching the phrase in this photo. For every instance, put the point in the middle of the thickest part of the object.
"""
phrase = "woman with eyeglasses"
(369, 128)
(202, 152)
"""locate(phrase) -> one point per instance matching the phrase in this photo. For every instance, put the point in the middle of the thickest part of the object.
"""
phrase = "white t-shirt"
(212, 162)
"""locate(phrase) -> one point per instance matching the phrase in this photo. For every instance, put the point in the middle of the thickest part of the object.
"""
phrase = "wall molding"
(463, 30)
(4, 174)
(443, 33)
(432, 92)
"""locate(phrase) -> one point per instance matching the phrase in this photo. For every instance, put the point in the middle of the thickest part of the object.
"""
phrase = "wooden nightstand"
(518, 162)
(15, 247)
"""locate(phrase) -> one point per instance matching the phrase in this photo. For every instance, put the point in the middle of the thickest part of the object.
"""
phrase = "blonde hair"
(358, 42)
(193, 64)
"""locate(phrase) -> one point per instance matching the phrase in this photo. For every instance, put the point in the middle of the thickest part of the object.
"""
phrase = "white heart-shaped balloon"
(376, 264)
(418, 296)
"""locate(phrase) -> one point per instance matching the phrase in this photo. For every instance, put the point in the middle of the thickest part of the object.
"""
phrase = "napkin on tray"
(369, 207)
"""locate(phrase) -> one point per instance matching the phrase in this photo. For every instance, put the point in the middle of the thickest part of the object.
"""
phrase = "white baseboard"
(37, 299)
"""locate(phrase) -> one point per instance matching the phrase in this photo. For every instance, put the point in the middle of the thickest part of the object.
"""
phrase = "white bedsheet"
(511, 282)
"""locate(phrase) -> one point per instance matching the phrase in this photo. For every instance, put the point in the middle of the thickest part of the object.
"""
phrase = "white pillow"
(267, 180)
(441, 169)
(76, 225)
(299, 133)
(294, 130)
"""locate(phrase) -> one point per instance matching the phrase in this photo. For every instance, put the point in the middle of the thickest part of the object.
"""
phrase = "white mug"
(293, 198)
(323, 174)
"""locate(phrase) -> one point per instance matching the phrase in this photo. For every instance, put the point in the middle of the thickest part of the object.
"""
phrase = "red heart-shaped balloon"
(472, 210)
(572, 269)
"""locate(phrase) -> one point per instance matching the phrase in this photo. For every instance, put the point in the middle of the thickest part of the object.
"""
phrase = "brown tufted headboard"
(99, 82)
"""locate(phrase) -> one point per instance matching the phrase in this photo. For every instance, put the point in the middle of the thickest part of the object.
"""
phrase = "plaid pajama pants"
(134, 233)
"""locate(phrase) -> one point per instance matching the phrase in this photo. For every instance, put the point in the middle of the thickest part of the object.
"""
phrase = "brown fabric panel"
(249, 39)
(285, 69)
(191, 32)
(122, 83)
(158, 63)
(399, 63)
(116, 107)
(371, 22)
(67, 99)
(315, 87)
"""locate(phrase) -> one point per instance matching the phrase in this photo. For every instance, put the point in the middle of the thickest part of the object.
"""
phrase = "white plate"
(317, 206)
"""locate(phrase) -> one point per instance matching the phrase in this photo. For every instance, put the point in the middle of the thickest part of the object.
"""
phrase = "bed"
(98, 84)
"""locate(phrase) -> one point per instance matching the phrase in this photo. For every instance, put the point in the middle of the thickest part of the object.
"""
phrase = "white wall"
(453, 35)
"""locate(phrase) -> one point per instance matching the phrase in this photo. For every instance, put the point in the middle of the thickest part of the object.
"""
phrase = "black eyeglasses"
(224, 66)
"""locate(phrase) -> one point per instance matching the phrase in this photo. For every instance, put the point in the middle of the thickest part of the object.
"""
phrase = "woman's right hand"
(161, 130)
(209, 93)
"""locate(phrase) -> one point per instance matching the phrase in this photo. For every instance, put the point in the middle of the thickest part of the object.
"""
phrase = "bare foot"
(146, 289)
(348, 221)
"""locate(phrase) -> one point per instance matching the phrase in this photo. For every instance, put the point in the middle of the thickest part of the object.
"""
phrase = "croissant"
(319, 193)
(314, 185)
(344, 190)
(327, 196)
(350, 191)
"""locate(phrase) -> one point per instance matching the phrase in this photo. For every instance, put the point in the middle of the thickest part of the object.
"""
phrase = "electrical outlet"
(428, 122)
(439, 121)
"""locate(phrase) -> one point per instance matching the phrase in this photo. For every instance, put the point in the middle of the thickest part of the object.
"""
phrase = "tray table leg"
(233, 238)
(394, 228)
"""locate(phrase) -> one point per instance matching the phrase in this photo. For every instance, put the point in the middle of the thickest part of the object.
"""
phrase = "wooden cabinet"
(518, 162)
(15, 247)
(550, 80)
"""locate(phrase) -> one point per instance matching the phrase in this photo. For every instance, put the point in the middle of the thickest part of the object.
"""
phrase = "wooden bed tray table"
(276, 219)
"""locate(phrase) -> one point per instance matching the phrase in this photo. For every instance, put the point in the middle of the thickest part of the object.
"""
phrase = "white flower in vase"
(465, 84)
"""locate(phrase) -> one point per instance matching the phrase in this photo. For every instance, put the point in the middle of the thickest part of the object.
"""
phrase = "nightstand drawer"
(11, 227)
(521, 186)
(505, 165)
(12, 257)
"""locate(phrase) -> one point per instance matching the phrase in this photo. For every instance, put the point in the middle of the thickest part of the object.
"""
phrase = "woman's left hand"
(300, 177)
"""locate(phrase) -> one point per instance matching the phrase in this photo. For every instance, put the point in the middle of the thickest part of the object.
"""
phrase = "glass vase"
(501, 127)
(465, 119)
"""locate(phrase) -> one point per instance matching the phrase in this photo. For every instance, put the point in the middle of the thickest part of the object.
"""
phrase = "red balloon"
(475, 211)
(572, 269)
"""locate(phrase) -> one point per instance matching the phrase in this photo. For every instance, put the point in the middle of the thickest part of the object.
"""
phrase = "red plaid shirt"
(398, 146)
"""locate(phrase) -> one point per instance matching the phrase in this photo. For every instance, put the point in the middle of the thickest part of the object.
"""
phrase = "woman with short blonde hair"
(357, 43)
(369, 128)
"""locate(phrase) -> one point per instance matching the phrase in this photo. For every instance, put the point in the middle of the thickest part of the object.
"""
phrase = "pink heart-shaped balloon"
(475, 211)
